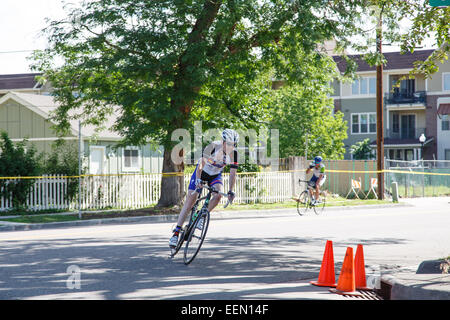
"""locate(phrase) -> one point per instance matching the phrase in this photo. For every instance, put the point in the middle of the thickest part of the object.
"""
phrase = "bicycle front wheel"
(320, 205)
(303, 202)
(196, 238)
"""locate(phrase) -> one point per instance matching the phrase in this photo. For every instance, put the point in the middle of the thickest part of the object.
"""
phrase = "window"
(395, 123)
(364, 122)
(372, 85)
(447, 154)
(355, 87)
(363, 118)
(131, 159)
(445, 125)
(364, 85)
(355, 123)
(372, 122)
(446, 81)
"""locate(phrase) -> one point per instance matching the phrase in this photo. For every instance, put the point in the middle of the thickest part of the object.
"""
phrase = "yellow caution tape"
(174, 174)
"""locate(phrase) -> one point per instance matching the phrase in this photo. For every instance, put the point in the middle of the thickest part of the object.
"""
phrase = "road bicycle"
(191, 233)
(304, 201)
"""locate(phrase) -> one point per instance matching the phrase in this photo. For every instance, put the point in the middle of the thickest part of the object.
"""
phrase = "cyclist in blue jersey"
(318, 178)
(209, 168)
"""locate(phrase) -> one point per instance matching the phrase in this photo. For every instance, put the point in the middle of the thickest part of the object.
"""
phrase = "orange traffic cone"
(360, 272)
(346, 283)
(326, 275)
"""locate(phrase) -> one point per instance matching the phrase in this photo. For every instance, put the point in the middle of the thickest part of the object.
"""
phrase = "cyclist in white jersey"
(318, 177)
(209, 168)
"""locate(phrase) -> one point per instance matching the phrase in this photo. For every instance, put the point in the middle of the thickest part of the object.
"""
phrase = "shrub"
(16, 160)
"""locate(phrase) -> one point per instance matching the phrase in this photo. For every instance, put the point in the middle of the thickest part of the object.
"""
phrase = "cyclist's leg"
(319, 184)
(312, 183)
(191, 197)
(317, 191)
(216, 197)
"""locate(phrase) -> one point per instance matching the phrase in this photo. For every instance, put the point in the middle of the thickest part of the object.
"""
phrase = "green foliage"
(245, 167)
(212, 64)
(167, 63)
(17, 160)
(303, 114)
(63, 160)
(361, 150)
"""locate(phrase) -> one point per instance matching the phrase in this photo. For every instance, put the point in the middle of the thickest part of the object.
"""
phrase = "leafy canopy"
(167, 63)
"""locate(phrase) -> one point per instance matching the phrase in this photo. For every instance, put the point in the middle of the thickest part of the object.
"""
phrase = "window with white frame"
(364, 122)
(364, 86)
(446, 81)
(445, 123)
(131, 160)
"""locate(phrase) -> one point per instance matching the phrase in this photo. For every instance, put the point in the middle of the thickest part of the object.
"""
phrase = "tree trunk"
(172, 184)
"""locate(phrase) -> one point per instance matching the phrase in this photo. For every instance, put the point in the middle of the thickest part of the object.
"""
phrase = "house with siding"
(412, 107)
(27, 115)
(23, 83)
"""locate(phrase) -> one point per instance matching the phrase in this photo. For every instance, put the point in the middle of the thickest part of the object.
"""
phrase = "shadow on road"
(139, 268)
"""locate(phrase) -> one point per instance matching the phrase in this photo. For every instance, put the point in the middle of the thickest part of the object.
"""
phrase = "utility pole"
(79, 168)
(380, 126)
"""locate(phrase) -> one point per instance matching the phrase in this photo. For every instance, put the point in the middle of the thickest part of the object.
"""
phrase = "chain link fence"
(419, 178)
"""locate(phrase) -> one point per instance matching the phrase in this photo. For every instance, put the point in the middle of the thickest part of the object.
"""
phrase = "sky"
(20, 24)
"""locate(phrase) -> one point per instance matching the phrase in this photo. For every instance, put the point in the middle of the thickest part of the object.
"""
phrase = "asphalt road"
(242, 258)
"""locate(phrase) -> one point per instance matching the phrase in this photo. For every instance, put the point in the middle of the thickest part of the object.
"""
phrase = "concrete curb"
(15, 226)
(418, 286)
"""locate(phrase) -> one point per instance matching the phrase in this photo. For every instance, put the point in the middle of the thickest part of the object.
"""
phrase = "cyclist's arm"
(233, 170)
(308, 170)
(232, 178)
(200, 166)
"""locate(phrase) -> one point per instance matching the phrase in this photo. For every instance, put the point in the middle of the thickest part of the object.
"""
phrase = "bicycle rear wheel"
(303, 202)
(195, 238)
(320, 206)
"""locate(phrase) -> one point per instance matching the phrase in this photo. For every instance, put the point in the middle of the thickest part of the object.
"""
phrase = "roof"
(19, 81)
(44, 105)
(395, 60)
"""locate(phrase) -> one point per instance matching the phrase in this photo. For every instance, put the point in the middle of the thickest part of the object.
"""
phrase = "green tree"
(17, 160)
(165, 63)
(63, 160)
(361, 150)
(305, 119)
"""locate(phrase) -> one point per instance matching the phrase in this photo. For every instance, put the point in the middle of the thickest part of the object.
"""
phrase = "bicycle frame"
(185, 233)
(308, 200)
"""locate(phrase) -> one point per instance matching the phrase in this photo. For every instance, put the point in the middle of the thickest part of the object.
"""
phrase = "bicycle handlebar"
(211, 189)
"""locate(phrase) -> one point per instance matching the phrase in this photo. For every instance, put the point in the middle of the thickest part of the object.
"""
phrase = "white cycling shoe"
(173, 241)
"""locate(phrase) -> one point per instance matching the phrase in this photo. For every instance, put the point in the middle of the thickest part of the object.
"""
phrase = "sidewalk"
(234, 214)
(412, 286)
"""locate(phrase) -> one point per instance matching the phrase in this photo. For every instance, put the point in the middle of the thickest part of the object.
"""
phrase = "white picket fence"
(141, 190)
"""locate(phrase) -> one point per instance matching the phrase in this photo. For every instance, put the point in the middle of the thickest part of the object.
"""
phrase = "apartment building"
(412, 107)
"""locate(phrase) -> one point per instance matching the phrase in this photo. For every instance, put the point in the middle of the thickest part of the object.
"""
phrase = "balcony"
(405, 134)
(417, 97)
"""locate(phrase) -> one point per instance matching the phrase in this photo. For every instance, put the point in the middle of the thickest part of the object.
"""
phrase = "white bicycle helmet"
(230, 136)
